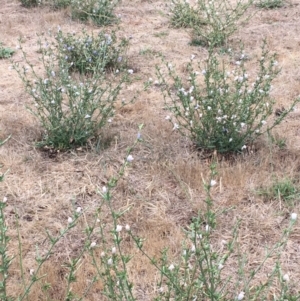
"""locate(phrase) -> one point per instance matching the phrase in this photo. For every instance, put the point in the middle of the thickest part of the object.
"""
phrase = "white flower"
(4, 200)
(243, 147)
(119, 228)
(109, 120)
(70, 220)
(193, 248)
(130, 71)
(93, 244)
(104, 189)
(110, 261)
(53, 73)
(129, 158)
(79, 209)
(263, 122)
(203, 72)
(207, 228)
(238, 63)
(294, 216)
(171, 267)
(192, 56)
(243, 124)
(230, 139)
(170, 66)
(31, 272)
(102, 254)
(208, 108)
(161, 290)
(213, 183)
(220, 266)
(176, 126)
(114, 250)
(87, 116)
(127, 227)
(241, 296)
(168, 117)
(286, 278)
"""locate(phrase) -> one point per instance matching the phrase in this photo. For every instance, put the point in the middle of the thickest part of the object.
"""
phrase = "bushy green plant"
(5, 52)
(213, 22)
(222, 108)
(270, 4)
(100, 12)
(71, 108)
(184, 15)
(90, 54)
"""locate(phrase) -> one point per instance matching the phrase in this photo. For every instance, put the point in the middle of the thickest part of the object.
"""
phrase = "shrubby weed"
(213, 22)
(184, 15)
(196, 274)
(5, 52)
(90, 54)
(222, 107)
(100, 12)
(71, 108)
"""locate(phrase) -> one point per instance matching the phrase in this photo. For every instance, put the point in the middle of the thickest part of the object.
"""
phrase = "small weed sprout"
(5, 52)
(100, 12)
(220, 108)
(90, 54)
(71, 108)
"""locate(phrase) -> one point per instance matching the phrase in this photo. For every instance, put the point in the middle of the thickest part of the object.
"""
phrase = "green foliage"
(5, 52)
(282, 189)
(213, 22)
(89, 53)
(196, 273)
(270, 4)
(100, 12)
(222, 109)
(72, 108)
(30, 3)
(184, 15)
(58, 4)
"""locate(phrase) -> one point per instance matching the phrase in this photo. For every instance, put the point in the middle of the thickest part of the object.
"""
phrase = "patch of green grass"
(270, 4)
(5, 52)
(282, 189)
(161, 34)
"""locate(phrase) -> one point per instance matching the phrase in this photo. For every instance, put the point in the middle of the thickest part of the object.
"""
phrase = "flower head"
(127, 227)
(286, 277)
(70, 220)
(93, 244)
(171, 267)
(110, 261)
(129, 158)
(241, 296)
(213, 183)
(119, 228)
(294, 216)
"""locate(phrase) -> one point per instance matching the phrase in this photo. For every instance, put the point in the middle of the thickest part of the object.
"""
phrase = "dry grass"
(164, 184)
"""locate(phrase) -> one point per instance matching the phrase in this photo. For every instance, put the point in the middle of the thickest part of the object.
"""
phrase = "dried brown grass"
(164, 185)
